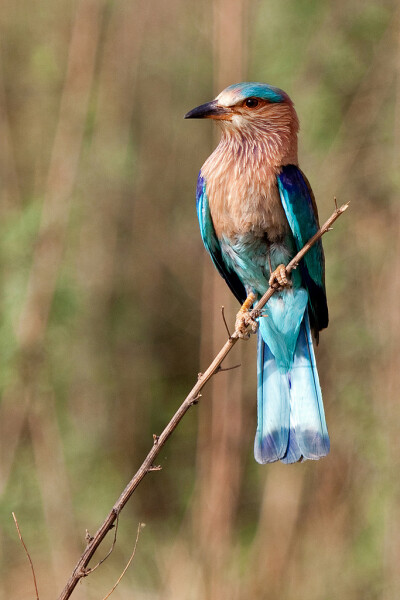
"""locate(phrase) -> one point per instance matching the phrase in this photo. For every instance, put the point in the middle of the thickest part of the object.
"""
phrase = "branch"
(147, 466)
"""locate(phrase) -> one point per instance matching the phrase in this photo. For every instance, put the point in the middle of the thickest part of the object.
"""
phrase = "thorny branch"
(80, 569)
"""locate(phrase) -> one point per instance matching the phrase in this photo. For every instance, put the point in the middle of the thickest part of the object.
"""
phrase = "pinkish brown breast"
(243, 194)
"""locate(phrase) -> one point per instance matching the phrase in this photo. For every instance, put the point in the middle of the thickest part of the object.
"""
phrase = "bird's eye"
(251, 102)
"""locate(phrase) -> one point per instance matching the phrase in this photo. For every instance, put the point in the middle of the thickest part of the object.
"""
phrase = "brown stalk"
(27, 554)
(132, 556)
(80, 569)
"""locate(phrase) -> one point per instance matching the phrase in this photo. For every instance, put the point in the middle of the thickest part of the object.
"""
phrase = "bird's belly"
(253, 230)
(252, 258)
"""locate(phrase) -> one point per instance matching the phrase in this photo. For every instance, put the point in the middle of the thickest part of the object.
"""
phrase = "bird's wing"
(301, 212)
(212, 244)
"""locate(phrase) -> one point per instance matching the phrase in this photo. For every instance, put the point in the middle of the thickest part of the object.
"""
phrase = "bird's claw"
(245, 324)
(279, 278)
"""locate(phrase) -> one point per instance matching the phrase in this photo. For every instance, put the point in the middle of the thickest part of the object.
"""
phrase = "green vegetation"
(109, 306)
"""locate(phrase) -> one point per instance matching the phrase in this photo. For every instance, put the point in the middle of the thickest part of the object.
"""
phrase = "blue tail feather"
(308, 409)
(291, 421)
(273, 420)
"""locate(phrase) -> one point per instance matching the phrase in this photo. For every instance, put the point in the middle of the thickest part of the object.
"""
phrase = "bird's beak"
(210, 110)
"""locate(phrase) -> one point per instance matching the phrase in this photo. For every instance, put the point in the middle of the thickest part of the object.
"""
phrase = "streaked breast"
(243, 195)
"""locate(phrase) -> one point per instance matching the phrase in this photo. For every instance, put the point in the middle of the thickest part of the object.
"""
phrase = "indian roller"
(256, 209)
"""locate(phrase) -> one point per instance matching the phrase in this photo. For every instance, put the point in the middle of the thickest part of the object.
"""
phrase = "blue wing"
(212, 244)
(301, 212)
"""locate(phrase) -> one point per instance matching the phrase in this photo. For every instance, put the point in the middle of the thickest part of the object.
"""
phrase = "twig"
(28, 555)
(225, 323)
(128, 563)
(90, 571)
(222, 369)
(192, 398)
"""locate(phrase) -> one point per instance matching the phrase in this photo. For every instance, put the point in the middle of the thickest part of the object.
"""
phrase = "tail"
(291, 420)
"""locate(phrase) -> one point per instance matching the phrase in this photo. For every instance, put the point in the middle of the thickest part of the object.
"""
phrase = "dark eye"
(251, 102)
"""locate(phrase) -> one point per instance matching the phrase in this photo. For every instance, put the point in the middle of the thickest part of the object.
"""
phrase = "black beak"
(210, 110)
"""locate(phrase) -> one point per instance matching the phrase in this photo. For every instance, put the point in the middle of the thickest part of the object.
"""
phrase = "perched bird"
(256, 210)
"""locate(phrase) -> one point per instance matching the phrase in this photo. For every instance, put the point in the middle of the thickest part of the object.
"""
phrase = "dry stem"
(128, 563)
(147, 466)
(28, 555)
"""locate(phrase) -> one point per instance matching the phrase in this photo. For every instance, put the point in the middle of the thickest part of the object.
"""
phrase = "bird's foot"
(245, 324)
(279, 278)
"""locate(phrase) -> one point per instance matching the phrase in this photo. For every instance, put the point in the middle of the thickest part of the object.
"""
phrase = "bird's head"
(252, 110)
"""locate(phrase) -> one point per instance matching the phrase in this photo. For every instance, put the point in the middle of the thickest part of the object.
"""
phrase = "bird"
(256, 210)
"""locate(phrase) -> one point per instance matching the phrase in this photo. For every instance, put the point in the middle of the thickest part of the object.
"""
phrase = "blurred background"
(109, 306)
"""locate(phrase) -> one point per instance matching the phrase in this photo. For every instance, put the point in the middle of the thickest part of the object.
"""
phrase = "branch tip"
(225, 323)
(88, 537)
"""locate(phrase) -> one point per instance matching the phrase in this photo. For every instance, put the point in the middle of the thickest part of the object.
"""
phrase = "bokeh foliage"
(105, 318)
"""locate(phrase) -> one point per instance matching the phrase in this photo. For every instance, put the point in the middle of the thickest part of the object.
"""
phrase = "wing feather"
(301, 212)
(212, 244)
